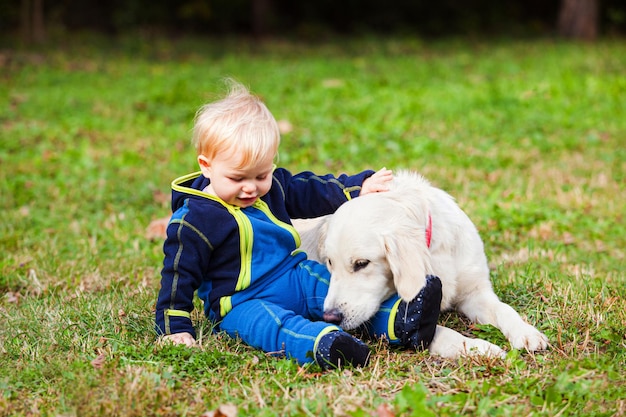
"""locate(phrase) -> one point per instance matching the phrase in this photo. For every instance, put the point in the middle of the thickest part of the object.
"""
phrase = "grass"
(527, 135)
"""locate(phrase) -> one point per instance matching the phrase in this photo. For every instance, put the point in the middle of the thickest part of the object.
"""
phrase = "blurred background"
(40, 21)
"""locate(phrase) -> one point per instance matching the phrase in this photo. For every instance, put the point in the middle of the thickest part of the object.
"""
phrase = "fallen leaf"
(161, 197)
(284, 126)
(98, 362)
(13, 297)
(568, 239)
(383, 410)
(121, 315)
(156, 230)
(224, 410)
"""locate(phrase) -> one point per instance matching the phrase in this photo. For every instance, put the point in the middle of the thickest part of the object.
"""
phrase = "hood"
(187, 186)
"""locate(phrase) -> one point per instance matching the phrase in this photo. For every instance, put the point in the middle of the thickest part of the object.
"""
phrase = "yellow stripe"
(177, 313)
(392, 319)
(226, 305)
(177, 181)
(245, 247)
(245, 232)
(324, 333)
(348, 190)
(262, 206)
(188, 190)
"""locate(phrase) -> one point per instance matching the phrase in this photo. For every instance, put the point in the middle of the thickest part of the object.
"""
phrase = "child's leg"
(409, 324)
(273, 329)
(313, 279)
(301, 289)
(266, 326)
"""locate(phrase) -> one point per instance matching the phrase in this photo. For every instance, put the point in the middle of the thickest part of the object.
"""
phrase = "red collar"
(429, 230)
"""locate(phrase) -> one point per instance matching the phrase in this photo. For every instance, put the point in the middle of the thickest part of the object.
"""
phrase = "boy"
(230, 239)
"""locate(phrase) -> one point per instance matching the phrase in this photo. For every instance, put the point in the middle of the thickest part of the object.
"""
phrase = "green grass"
(529, 136)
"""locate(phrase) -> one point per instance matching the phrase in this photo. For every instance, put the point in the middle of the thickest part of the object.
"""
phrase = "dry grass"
(528, 136)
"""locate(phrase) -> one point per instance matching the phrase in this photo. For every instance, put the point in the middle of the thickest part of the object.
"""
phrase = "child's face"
(237, 186)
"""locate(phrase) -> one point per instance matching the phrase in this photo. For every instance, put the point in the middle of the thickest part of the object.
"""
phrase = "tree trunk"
(39, 31)
(25, 22)
(32, 26)
(578, 19)
(261, 10)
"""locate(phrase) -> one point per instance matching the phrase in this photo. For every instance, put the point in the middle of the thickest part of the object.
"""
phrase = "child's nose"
(249, 187)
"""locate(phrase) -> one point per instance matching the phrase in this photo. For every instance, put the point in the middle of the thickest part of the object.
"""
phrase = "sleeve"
(309, 195)
(187, 254)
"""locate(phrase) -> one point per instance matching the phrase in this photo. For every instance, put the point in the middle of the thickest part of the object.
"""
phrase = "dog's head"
(375, 247)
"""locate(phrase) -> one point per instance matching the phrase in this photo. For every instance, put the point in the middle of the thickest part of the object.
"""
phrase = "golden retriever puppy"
(385, 243)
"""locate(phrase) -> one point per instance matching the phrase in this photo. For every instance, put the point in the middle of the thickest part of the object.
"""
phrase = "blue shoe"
(416, 321)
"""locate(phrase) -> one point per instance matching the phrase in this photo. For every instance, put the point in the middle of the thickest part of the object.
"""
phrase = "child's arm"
(377, 182)
(308, 195)
(187, 255)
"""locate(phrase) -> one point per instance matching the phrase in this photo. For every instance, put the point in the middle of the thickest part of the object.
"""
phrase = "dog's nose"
(333, 316)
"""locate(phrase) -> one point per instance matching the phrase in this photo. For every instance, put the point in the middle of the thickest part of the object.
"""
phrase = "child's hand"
(377, 182)
(180, 339)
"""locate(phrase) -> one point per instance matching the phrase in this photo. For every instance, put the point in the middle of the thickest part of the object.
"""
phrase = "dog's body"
(383, 243)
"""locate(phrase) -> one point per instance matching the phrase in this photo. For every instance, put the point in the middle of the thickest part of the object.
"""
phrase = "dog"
(385, 243)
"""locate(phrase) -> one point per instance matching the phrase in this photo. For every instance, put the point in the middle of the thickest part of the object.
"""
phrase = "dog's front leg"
(451, 344)
(485, 308)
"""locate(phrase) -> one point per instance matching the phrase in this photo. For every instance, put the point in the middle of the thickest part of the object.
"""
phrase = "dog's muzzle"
(333, 316)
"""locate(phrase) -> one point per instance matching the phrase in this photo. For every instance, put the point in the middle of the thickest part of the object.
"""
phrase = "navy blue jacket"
(209, 244)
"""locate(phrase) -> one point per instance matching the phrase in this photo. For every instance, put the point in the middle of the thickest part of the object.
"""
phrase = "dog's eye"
(360, 264)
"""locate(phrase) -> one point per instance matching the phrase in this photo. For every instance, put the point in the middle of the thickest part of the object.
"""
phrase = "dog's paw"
(530, 339)
(482, 348)
(451, 344)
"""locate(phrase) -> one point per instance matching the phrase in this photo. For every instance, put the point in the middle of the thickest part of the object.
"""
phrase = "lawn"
(529, 137)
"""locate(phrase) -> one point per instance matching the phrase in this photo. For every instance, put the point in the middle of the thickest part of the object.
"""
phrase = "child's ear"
(205, 166)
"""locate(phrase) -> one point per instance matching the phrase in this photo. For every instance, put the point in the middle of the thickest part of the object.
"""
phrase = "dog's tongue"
(333, 316)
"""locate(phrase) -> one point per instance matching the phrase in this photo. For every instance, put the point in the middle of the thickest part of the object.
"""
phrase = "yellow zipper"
(262, 206)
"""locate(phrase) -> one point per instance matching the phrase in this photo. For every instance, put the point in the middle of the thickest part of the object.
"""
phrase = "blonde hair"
(241, 122)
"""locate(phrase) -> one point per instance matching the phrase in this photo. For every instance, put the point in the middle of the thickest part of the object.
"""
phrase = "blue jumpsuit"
(244, 264)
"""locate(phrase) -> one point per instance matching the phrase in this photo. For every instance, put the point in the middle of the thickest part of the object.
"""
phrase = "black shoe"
(416, 321)
(338, 349)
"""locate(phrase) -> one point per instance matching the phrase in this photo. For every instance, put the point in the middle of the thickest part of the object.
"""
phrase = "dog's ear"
(409, 260)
